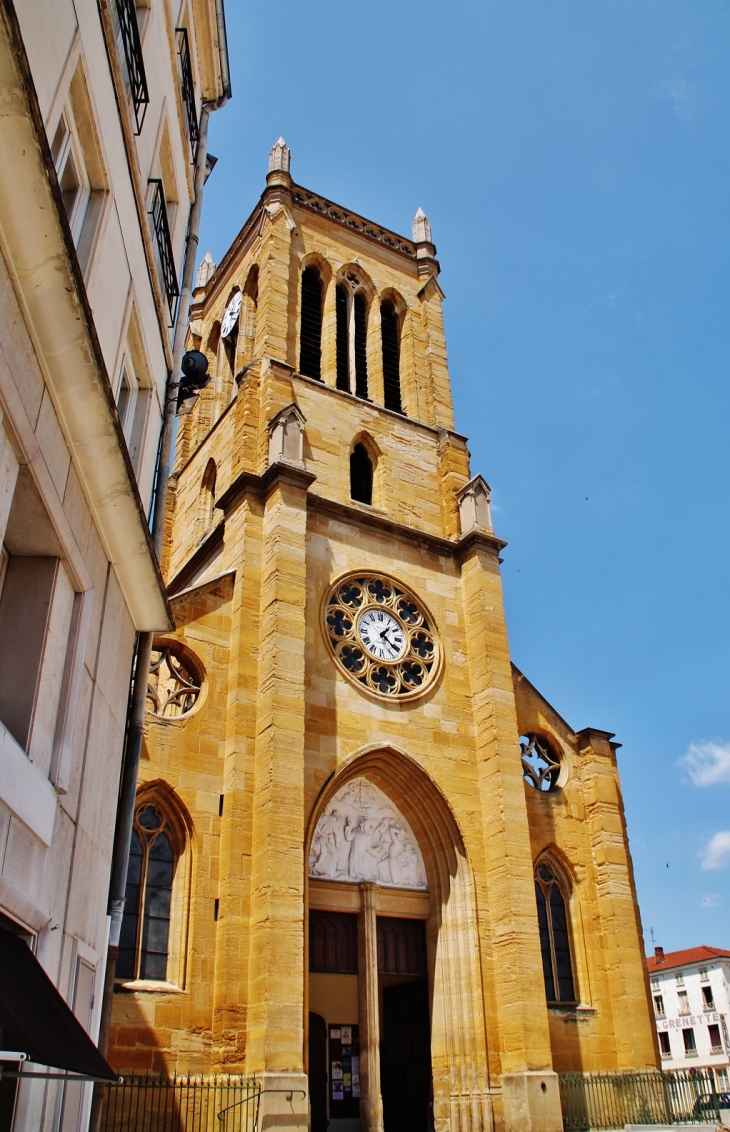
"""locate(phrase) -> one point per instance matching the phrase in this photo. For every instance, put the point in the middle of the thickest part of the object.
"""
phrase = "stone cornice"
(381, 410)
(262, 486)
(376, 520)
(206, 548)
(238, 248)
(331, 211)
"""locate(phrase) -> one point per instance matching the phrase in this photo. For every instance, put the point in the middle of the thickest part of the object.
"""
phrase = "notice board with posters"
(344, 1071)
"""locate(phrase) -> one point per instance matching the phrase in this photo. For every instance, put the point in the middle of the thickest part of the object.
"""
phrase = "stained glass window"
(552, 918)
(144, 940)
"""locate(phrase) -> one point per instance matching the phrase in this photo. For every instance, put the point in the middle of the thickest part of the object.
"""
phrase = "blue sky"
(572, 158)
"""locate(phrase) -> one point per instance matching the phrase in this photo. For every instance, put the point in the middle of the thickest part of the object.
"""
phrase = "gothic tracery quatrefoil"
(381, 636)
(540, 763)
(173, 686)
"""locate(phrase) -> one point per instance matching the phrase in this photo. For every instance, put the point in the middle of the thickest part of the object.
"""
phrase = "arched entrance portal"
(393, 967)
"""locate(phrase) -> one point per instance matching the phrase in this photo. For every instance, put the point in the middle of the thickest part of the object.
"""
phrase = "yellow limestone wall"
(276, 720)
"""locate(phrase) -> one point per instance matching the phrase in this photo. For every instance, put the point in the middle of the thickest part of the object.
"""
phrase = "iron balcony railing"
(161, 229)
(612, 1100)
(132, 47)
(188, 90)
(154, 1103)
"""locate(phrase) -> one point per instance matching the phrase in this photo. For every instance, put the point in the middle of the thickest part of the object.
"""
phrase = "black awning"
(35, 1018)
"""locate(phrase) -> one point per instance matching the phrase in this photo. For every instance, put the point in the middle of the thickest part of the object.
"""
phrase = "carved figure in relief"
(362, 837)
(330, 851)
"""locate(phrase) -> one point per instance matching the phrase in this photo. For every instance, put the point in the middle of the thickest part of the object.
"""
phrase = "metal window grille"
(612, 1100)
(161, 229)
(188, 90)
(132, 46)
(152, 1103)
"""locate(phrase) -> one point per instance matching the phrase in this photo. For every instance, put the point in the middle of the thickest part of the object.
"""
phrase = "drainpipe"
(135, 725)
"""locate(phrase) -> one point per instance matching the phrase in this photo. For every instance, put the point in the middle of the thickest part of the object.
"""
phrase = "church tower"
(372, 866)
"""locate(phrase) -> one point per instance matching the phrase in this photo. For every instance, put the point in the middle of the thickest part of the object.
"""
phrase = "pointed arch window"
(145, 935)
(552, 918)
(351, 310)
(361, 475)
(207, 495)
(248, 316)
(390, 335)
(310, 349)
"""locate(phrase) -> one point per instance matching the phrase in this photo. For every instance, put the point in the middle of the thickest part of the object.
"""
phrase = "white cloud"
(718, 848)
(707, 763)
(712, 900)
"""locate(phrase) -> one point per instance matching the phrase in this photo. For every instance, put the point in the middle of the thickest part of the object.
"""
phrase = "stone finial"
(421, 228)
(286, 437)
(475, 512)
(205, 271)
(280, 157)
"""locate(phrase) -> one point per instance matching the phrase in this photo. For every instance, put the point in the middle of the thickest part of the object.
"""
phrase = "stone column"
(371, 1101)
(620, 954)
(518, 1030)
(275, 1023)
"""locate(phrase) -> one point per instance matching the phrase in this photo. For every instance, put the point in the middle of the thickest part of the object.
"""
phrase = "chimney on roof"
(659, 954)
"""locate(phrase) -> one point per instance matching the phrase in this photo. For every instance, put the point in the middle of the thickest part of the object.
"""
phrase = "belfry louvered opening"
(343, 368)
(351, 311)
(361, 336)
(391, 357)
(310, 350)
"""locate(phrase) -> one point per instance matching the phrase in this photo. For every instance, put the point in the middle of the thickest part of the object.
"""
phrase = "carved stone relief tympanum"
(361, 836)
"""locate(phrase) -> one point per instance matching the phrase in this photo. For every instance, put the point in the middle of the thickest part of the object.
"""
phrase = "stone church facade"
(372, 865)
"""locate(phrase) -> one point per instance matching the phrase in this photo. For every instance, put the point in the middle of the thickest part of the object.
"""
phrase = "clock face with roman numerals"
(381, 636)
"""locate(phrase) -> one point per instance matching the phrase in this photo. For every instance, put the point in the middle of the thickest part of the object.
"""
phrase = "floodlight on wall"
(195, 376)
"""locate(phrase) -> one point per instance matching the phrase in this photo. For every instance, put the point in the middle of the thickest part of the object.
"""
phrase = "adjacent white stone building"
(99, 113)
(691, 995)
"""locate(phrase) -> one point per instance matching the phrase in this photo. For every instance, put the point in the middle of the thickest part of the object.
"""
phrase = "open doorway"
(405, 1030)
(318, 1072)
(334, 1043)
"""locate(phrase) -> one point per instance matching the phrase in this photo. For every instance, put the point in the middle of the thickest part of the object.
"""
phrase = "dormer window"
(352, 328)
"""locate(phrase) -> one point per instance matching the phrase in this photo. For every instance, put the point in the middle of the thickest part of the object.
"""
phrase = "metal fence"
(151, 1103)
(612, 1100)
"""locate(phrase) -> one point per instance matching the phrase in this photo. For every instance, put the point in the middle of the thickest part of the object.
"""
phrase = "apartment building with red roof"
(691, 995)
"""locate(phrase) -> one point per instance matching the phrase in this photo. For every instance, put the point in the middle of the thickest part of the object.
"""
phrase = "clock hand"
(388, 640)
